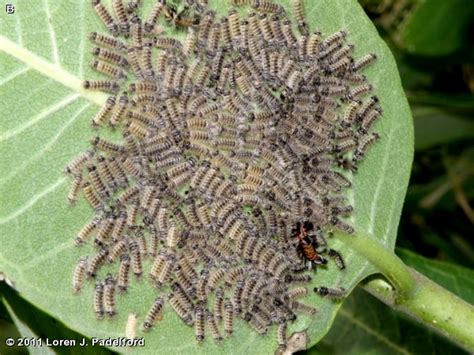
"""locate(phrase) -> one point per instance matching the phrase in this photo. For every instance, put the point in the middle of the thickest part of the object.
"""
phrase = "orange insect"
(307, 244)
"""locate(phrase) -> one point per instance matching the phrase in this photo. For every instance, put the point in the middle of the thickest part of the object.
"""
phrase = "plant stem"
(414, 294)
(432, 306)
(384, 260)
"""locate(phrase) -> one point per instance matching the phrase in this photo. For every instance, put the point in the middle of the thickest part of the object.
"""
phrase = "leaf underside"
(48, 123)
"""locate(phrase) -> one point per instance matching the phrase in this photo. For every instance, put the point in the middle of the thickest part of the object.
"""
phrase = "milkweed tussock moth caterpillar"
(231, 169)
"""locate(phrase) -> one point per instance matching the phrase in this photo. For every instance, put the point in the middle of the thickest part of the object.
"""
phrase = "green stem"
(384, 260)
(432, 306)
(414, 294)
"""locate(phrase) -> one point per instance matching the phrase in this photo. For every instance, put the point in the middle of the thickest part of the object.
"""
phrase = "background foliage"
(435, 234)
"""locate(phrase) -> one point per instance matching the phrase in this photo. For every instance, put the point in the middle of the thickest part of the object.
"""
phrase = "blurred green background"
(432, 43)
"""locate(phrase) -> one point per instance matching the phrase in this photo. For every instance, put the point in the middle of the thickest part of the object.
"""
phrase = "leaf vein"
(17, 130)
(13, 75)
(82, 44)
(52, 33)
(32, 201)
(18, 30)
(48, 256)
(13, 173)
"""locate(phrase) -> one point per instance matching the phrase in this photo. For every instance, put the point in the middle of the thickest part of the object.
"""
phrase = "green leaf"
(26, 332)
(461, 104)
(364, 325)
(34, 323)
(45, 51)
(8, 330)
(457, 279)
(428, 31)
(434, 126)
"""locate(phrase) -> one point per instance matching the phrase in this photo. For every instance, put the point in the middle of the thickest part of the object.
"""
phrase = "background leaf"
(435, 127)
(45, 51)
(26, 332)
(428, 31)
(8, 330)
(34, 323)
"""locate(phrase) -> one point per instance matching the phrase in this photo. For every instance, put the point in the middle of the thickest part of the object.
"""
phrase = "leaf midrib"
(50, 70)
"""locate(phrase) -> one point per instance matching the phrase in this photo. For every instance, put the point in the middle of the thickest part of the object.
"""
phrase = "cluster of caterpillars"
(238, 147)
